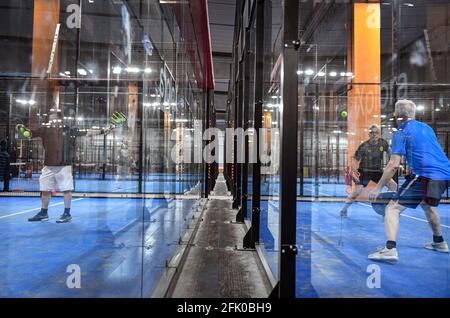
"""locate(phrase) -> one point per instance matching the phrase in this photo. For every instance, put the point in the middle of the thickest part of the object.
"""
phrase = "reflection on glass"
(97, 97)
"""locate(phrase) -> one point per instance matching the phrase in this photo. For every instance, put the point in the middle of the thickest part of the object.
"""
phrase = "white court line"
(23, 212)
(405, 215)
(56, 204)
(408, 216)
(53, 205)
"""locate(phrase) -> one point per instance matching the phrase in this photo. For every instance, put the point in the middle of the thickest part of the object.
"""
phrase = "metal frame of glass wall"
(137, 188)
(249, 58)
(284, 77)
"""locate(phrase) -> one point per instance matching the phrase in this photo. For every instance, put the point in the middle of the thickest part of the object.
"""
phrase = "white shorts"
(56, 175)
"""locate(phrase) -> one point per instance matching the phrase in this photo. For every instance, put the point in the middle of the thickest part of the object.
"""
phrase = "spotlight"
(132, 70)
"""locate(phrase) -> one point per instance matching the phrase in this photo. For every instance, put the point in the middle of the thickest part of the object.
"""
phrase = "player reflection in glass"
(125, 162)
(58, 140)
(367, 165)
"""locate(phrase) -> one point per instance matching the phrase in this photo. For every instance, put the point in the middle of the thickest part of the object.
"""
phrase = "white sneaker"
(440, 247)
(385, 254)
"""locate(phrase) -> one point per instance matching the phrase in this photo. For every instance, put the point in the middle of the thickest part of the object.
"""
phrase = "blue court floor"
(120, 246)
(332, 261)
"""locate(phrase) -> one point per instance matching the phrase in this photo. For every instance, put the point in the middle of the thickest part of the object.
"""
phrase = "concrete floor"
(213, 267)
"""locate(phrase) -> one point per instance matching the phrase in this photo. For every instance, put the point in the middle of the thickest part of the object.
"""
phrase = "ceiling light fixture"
(132, 70)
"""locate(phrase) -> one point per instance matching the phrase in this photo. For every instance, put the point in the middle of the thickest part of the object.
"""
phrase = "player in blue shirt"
(417, 142)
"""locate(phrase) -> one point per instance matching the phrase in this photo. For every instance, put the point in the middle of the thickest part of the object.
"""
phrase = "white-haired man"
(417, 142)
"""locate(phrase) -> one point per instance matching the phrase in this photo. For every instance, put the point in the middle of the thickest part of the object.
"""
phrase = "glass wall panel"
(252, 155)
(269, 139)
(99, 102)
(356, 60)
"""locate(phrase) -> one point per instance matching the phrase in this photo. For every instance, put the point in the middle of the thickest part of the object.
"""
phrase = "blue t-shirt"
(418, 143)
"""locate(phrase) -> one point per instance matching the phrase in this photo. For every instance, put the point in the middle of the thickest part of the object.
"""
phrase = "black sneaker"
(39, 217)
(64, 218)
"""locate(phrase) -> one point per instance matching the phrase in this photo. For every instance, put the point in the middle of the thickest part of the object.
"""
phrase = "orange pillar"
(45, 20)
(364, 101)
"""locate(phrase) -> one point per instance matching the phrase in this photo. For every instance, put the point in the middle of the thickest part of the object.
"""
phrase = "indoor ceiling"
(221, 23)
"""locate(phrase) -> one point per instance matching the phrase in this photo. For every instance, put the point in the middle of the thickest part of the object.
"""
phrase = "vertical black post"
(257, 119)
(224, 153)
(447, 150)
(288, 155)
(77, 89)
(338, 158)
(8, 123)
(8, 142)
(238, 199)
(235, 148)
(316, 141)
(394, 100)
(105, 157)
(230, 143)
(141, 139)
(328, 162)
(238, 108)
(396, 5)
(433, 117)
(396, 20)
(301, 151)
(245, 101)
(206, 121)
(236, 97)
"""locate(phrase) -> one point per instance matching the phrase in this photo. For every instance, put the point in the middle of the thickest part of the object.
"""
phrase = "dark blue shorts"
(365, 177)
(417, 189)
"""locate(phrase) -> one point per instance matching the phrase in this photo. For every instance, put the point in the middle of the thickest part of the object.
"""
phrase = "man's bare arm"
(355, 164)
(389, 171)
(354, 169)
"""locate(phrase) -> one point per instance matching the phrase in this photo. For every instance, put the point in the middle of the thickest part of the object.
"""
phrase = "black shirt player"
(367, 165)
